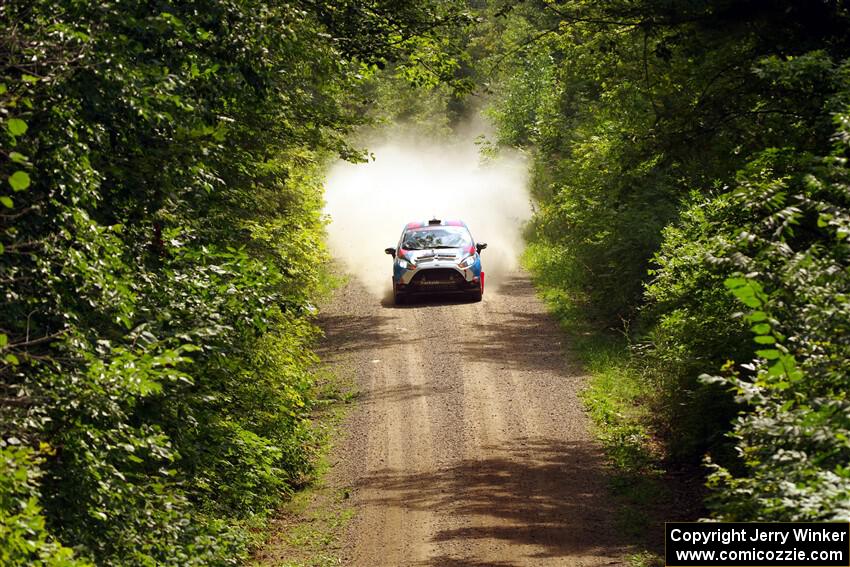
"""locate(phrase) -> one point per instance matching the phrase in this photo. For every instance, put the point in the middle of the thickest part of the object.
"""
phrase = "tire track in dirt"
(468, 446)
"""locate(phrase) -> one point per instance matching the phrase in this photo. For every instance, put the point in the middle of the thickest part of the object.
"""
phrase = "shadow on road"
(520, 341)
(351, 333)
(402, 393)
(537, 492)
(448, 561)
(425, 301)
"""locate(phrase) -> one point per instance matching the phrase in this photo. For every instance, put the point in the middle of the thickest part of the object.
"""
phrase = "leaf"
(29, 78)
(765, 340)
(7, 202)
(756, 316)
(12, 359)
(776, 369)
(16, 126)
(761, 329)
(769, 354)
(4, 340)
(19, 180)
(748, 292)
(17, 157)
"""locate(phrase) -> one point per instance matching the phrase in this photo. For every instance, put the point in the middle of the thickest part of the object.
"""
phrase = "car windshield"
(436, 237)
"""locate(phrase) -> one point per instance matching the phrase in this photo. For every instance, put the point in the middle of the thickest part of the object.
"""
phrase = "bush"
(793, 282)
(24, 540)
(161, 243)
(673, 150)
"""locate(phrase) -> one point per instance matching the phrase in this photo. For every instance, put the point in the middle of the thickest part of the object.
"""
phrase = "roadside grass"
(617, 401)
(307, 529)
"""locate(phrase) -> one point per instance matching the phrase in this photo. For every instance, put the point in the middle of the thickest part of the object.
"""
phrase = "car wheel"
(399, 299)
(476, 296)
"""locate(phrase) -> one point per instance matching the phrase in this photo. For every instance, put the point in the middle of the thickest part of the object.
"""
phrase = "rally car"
(437, 256)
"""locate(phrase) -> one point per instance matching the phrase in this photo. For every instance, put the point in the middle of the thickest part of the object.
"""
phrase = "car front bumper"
(439, 277)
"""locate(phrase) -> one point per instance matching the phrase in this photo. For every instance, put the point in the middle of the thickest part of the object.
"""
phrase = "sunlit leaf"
(16, 126)
(19, 180)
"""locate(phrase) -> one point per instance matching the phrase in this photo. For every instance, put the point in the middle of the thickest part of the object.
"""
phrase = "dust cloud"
(410, 180)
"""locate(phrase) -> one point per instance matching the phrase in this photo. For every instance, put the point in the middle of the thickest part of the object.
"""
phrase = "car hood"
(438, 254)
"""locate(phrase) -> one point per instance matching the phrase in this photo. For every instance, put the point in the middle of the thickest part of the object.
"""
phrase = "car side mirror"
(390, 251)
(480, 246)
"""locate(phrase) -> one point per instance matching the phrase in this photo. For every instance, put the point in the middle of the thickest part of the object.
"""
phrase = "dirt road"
(468, 446)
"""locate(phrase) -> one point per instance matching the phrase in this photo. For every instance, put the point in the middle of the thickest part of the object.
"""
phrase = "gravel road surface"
(468, 445)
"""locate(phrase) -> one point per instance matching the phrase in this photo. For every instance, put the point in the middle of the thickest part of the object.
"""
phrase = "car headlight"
(406, 265)
(467, 262)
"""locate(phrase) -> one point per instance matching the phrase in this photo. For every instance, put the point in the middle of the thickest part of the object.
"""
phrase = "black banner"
(757, 544)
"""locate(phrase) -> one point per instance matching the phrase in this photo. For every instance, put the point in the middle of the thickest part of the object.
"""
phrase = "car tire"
(476, 296)
(399, 299)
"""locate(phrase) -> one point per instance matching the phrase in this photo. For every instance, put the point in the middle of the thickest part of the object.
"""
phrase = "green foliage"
(426, 91)
(675, 147)
(24, 540)
(691, 328)
(793, 268)
(161, 243)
